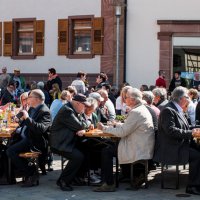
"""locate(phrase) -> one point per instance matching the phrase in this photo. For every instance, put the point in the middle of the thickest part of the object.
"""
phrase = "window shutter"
(63, 37)
(98, 35)
(39, 38)
(0, 38)
(8, 30)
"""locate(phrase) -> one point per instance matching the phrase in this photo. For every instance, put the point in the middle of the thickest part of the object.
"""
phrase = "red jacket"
(160, 82)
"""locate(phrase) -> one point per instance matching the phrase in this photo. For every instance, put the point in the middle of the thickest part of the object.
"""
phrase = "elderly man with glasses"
(174, 136)
(34, 134)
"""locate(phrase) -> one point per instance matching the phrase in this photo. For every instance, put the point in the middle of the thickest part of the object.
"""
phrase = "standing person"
(34, 134)
(4, 79)
(174, 137)
(195, 81)
(160, 81)
(66, 128)
(176, 81)
(17, 77)
(101, 80)
(53, 78)
(79, 83)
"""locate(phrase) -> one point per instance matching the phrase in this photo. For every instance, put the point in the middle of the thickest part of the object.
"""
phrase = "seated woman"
(55, 92)
(57, 103)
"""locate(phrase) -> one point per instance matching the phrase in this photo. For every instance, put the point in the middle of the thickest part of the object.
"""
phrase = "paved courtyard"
(47, 190)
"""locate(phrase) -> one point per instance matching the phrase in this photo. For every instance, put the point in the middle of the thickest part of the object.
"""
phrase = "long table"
(96, 134)
(5, 135)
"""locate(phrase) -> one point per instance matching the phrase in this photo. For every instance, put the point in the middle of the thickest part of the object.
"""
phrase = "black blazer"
(38, 127)
(172, 144)
(63, 131)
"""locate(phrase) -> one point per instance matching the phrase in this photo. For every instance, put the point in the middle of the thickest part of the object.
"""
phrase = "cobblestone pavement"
(47, 190)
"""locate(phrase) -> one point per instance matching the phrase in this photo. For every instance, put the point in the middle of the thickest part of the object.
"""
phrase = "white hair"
(135, 94)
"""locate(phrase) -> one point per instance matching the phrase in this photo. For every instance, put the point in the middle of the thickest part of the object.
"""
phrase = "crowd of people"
(154, 128)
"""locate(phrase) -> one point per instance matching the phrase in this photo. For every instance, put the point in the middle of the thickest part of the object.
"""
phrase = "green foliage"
(120, 118)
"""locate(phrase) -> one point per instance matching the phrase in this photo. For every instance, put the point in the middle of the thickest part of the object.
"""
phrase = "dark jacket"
(55, 80)
(172, 144)
(63, 131)
(154, 118)
(7, 97)
(38, 127)
(172, 85)
(161, 104)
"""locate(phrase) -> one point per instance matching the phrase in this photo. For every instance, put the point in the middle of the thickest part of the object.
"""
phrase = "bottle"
(9, 117)
(5, 119)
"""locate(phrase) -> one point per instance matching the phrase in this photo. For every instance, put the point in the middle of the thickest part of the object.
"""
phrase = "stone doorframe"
(168, 29)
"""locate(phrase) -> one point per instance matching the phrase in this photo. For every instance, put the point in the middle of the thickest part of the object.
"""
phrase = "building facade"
(70, 36)
(80, 35)
(156, 31)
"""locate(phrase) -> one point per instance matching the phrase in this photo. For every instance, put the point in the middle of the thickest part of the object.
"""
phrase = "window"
(186, 54)
(25, 32)
(24, 38)
(80, 36)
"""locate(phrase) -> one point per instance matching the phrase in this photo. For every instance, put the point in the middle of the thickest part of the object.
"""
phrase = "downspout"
(125, 37)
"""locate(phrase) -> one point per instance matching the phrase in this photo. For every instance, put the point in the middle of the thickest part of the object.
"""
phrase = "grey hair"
(178, 93)
(93, 102)
(135, 94)
(125, 89)
(148, 96)
(160, 92)
(39, 94)
(40, 85)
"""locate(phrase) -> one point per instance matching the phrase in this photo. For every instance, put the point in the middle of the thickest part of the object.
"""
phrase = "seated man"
(160, 98)
(34, 133)
(173, 141)
(9, 94)
(67, 124)
(137, 138)
(106, 109)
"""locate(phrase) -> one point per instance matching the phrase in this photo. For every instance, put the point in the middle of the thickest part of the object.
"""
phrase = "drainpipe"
(118, 15)
(125, 32)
